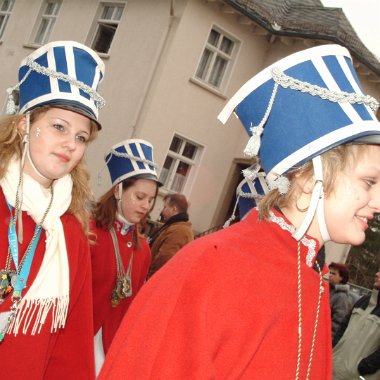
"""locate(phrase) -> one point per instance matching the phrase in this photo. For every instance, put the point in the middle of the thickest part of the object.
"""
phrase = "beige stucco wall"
(179, 105)
(131, 67)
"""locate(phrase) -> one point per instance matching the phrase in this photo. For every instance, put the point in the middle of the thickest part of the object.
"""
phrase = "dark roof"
(307, 19)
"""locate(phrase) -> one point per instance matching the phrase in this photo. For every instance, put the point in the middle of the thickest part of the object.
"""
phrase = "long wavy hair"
(11, 145)
(104, 211)
(334, 161)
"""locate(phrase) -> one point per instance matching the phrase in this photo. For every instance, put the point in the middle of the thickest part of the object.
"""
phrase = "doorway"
(227, 200)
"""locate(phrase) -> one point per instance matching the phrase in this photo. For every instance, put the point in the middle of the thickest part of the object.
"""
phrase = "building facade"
(170, 67)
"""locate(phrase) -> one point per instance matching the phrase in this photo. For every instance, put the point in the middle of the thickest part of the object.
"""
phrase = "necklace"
(15, 280)
(299, 287)
(123, 286)
(310, 244)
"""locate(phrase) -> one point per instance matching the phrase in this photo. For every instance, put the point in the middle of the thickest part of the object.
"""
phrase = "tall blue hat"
(131, 159)
(249, 193)
(64, 74)
(303, 105)
(300, 107)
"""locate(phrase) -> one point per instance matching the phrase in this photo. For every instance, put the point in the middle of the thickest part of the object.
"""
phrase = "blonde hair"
(334, 161)
(11, 145)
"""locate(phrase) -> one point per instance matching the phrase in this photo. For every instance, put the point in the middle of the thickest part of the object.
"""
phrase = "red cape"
(225, 307)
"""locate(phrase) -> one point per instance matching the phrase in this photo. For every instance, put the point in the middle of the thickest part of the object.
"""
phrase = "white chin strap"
(316, 205)
(32, 164)
(119, 214)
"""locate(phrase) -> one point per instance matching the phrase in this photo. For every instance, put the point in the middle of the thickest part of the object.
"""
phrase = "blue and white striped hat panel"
(300, 122)
(62, 72)
(129, 159)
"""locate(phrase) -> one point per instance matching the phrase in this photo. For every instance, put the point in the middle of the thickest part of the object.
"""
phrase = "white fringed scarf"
(49, 292)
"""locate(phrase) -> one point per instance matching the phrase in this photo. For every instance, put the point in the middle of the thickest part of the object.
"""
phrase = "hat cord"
(251, 172)
(254, 143)
(66, 78)
(34, 66)
(115, 153)
(286, 81)
(11, 105)
(131, 157)
(279, 182)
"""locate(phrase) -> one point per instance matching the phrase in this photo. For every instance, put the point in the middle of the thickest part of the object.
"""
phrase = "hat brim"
(70, 107)
(81, 111)
(372, 139)
(147, 176)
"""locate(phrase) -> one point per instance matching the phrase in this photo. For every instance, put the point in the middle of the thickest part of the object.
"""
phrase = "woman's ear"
(307, 185)
(304, 182)
(116, 192)
(21, 126)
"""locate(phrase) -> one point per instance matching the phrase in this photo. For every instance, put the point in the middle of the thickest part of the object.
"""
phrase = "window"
(48, 15)
(216, 58)
(104, 28)
(5, 11)
(179, 163)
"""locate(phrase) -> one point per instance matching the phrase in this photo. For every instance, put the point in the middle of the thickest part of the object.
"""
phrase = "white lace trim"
(308, 243)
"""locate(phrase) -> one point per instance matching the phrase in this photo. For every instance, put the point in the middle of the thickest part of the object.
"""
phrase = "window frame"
(7, 14)
(41, 34)
(178, 157)
(216, 52)
(98, 22)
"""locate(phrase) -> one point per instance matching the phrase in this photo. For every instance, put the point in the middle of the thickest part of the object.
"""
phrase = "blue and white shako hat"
(300, 107)
(303, 105)
(64, 74)
(249, 192)
(131, 158)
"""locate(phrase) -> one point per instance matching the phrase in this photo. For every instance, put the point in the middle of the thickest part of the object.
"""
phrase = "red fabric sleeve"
(103, 263)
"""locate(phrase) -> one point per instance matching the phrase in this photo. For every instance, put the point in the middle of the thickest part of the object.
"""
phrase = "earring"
(301, 209)
(38, 130)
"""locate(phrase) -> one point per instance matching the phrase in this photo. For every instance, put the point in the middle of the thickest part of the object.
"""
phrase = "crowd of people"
(85, 294)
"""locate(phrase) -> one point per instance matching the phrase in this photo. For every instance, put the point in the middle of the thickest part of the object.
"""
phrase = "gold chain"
(120, 271)
(299, 298)
(123, 285)
(299, 290)
(321, 290)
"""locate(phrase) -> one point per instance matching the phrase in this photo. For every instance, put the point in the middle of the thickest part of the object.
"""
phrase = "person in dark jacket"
(175, 233)
(339, 291)
(357, 343)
